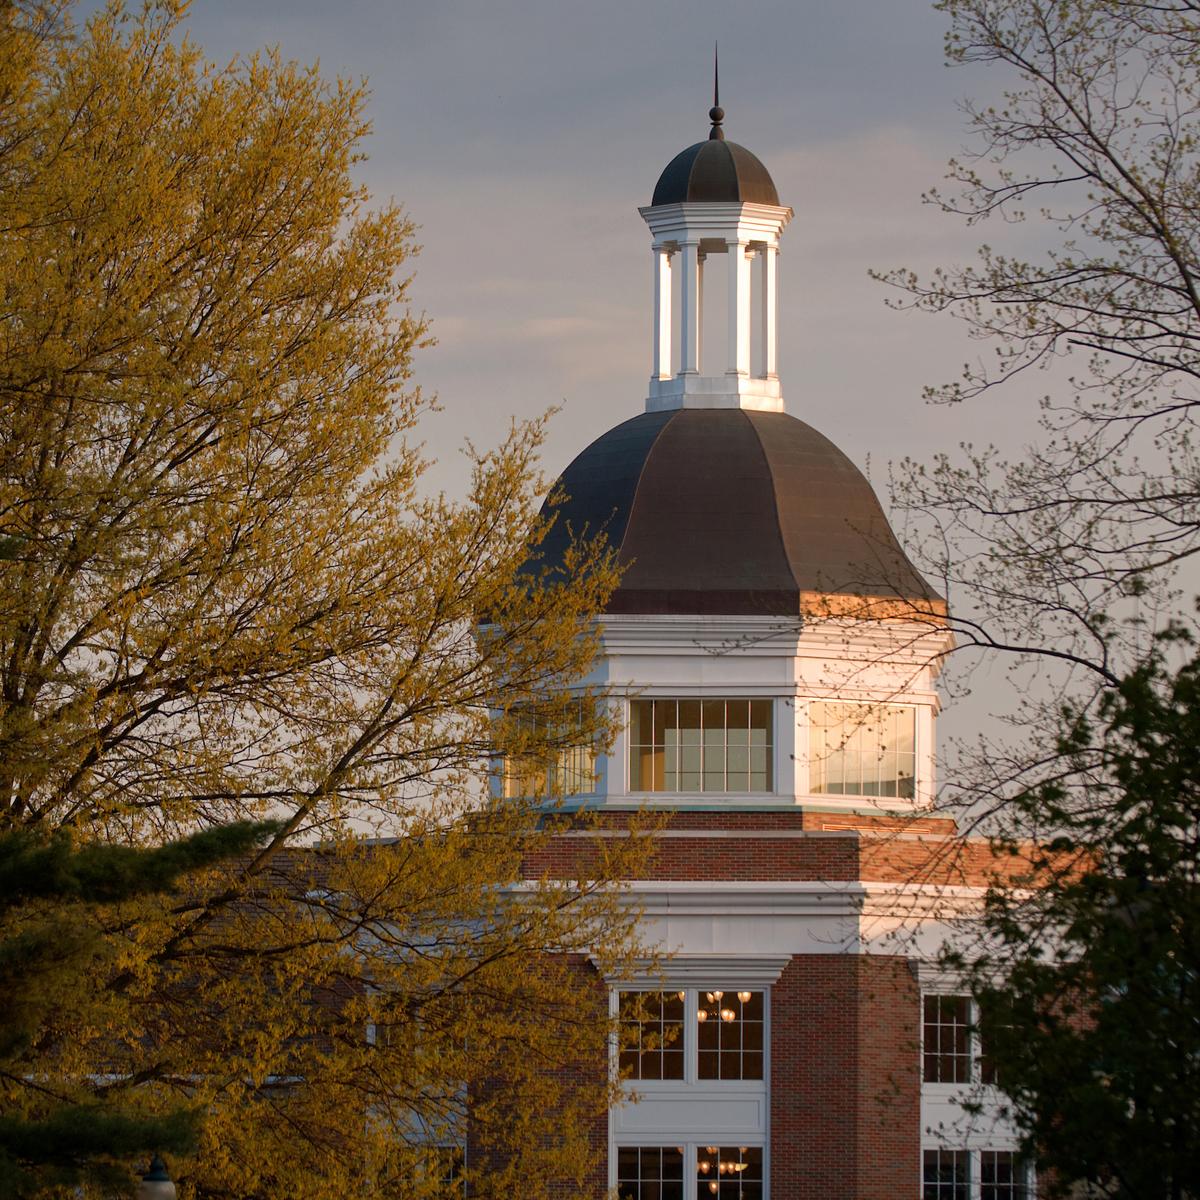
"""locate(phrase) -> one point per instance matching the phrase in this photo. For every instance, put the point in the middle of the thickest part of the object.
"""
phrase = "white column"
(660, 354)
(738, 362)
(770, 309)
(689, 309)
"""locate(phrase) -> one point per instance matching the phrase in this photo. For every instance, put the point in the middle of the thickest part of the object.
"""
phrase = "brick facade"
(845, 1090)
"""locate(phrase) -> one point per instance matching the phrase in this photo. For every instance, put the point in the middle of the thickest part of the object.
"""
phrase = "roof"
(730, 511)
(715, 171)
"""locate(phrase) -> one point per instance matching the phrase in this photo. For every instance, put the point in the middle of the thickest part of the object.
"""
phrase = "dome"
(715, 171)
(731, 511)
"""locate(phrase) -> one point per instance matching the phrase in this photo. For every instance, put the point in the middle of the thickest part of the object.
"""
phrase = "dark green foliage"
(1090, 988)
(84, 1142)
(54, 940)
(32, 867)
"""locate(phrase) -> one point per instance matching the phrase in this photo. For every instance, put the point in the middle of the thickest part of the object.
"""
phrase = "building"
(778, 654)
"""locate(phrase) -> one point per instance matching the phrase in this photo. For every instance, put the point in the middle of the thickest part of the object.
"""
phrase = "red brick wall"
(876, 849)
(845, 1092)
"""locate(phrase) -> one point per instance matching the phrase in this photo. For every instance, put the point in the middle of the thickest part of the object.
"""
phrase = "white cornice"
(676, 222)
(730, 970)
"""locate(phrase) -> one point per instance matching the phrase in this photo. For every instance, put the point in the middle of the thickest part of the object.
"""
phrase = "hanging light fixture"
(744, 997)
(727, 1014)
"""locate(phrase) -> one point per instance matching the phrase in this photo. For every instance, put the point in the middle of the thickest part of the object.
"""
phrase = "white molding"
(746, 222)
(704, 970)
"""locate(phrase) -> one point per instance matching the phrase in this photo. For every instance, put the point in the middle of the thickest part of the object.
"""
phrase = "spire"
(716, 114)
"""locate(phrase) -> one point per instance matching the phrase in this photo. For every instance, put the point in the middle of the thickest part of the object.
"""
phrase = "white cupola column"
(661, 348)
(690, 311)
(739, 309)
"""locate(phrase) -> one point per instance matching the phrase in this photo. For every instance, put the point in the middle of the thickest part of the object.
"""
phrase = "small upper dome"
(715, 171)
(731, 511)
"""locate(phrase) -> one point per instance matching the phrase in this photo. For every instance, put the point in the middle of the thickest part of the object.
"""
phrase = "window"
(999, 1175)
(650, 1173)
(692, 1035)
(729, 1172)
(446, 1166)
(569, 771)
(947, 1043)
(1002, 1176)
(953, 1049)
(700, 746)
(652, 1035)
(730, 1035)
(862, 749)
(946, 1175)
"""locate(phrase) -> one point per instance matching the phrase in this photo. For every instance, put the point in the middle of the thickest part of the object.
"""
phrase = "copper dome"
(715, 171)
(731, 511)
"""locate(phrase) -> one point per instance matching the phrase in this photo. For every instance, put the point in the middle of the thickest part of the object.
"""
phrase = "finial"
(716, 114)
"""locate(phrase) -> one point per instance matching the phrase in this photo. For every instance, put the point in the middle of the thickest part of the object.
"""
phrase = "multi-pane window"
(446, 1165)
(862, 749)
(729, 1172)
(1002, 1176)
(954, 1048)
(568, 771)
(947, 1039)
(652, 1035)
(946, 1175)
(730, 1035)
(650, 1173)
(700, 746)
(695, 1034)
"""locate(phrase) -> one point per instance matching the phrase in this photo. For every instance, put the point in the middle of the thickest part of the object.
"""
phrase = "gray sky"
(521, 137)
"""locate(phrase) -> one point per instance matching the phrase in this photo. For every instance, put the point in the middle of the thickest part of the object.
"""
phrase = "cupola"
(715, 211)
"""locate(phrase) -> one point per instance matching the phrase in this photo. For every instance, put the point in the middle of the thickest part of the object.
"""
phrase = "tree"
(228, 599)
(45, 959)
(1092, 157)
(1087, 170)
(1089, 979)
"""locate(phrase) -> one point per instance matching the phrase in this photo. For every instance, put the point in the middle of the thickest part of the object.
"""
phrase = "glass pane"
(945, 1175)
(729, 1172)
(862, 749)
(651, 1035)
(689, 745)
(664, 719)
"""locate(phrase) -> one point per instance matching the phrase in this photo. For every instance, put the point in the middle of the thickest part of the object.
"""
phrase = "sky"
(521, 138)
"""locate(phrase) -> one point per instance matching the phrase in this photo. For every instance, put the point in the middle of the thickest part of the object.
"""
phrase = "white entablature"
(685, 235)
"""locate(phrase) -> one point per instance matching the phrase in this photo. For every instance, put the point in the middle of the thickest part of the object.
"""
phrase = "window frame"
(692, 1147)
(811, 756)
(976, 1056)
(691, 1040)
(578, 760)
(631, 745)
(973, 1157)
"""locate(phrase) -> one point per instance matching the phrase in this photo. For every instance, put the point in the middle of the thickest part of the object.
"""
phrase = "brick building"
(778, 654)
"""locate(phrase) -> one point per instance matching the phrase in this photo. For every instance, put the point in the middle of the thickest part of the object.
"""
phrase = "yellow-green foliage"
(222, 596)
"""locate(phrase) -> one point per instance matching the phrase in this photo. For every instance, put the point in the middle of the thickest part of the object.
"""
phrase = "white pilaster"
(689, 308)
(738, 362)
(661, 349)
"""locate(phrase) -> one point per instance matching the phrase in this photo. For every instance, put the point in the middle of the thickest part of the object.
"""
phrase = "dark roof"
(715, 171)
(730, 511)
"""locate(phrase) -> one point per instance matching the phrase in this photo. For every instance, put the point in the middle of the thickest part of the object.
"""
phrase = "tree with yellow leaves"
(225, 599)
